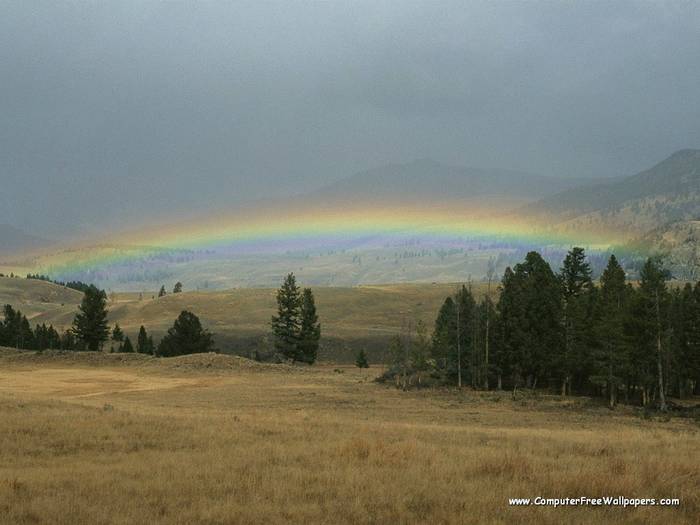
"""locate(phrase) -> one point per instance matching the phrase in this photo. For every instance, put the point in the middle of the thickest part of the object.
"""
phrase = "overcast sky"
(116, 110)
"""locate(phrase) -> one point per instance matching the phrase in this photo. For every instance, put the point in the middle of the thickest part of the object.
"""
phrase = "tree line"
(295, 328)
(75, 285)
(565, 333)
(90, 331)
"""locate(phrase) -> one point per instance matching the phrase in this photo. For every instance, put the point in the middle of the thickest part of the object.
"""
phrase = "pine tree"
(162, 291)
(144, 344)
(530, 322)
(577, 296)
(464, 355)
(67, 340)
(444, 338)
(361, 360)
(26, 336)
(287, 323)
(127, 346)
(11, 327)
(178, 287)
(646, 326)
(117, 336)
(90, 324)
(310, 329)
(186, 337)
(610, 353)
(692, 360)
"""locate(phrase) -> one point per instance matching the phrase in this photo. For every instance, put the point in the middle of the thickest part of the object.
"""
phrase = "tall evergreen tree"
(577, 297)
(186, 337)
(647, 327)
(26, 335)
(286, 324)
(162, 291)
(454, 336)
(45, 337)
(506, 356)
(464, 354)
(90, 324)
(144, 344)
(11, 327)
(309, 330)
(610, 353)
(444, 338)
(531, 316)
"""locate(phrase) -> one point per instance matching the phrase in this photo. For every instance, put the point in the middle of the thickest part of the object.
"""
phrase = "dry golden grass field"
(216, 439)
(351, 317)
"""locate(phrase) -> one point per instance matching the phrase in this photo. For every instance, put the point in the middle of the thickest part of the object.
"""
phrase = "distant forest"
(563, 332)
(75, 285)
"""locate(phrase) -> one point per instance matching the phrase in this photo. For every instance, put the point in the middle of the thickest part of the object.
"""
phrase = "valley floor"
(206, 441)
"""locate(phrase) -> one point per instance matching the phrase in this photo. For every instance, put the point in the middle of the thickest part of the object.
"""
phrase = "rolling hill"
(351, 317)
(631, 206)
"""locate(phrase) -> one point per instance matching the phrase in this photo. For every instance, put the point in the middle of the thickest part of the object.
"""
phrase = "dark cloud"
(116, 111)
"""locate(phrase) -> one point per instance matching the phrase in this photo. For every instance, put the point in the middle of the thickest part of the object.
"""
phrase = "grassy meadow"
(135, 439)
(351, 317)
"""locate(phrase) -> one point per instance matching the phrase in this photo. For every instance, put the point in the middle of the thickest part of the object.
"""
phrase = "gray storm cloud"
(117, 112)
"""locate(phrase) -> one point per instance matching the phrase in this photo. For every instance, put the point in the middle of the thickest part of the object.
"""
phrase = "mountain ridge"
(428, 180)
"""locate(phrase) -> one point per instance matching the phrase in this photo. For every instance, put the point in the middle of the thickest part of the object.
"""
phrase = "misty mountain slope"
(13, 239)
(669, 191)
(679, 244)
(427, 180)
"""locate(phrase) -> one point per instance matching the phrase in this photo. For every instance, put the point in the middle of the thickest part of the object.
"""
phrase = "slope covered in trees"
(565, 333)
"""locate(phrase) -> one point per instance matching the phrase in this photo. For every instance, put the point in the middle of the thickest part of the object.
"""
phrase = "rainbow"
(269, 230)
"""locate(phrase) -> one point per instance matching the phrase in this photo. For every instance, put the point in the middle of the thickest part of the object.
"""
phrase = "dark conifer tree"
(68, 340)
(162, 291)
(646, 326)
(11, 327)
(309, 330)
(127, 346)
(444, 338)
(186, 337)
(144, 344)
(683, 360)
(361, 360)
(90, 324)
(462, 359)
(117, 337)
(531, 320)
(26, 335)
(610, 359)
(117, 333)
(287, 323)
(577, 300)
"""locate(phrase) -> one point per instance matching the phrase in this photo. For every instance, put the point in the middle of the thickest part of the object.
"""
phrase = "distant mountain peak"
(426, 161)
(685, 153)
